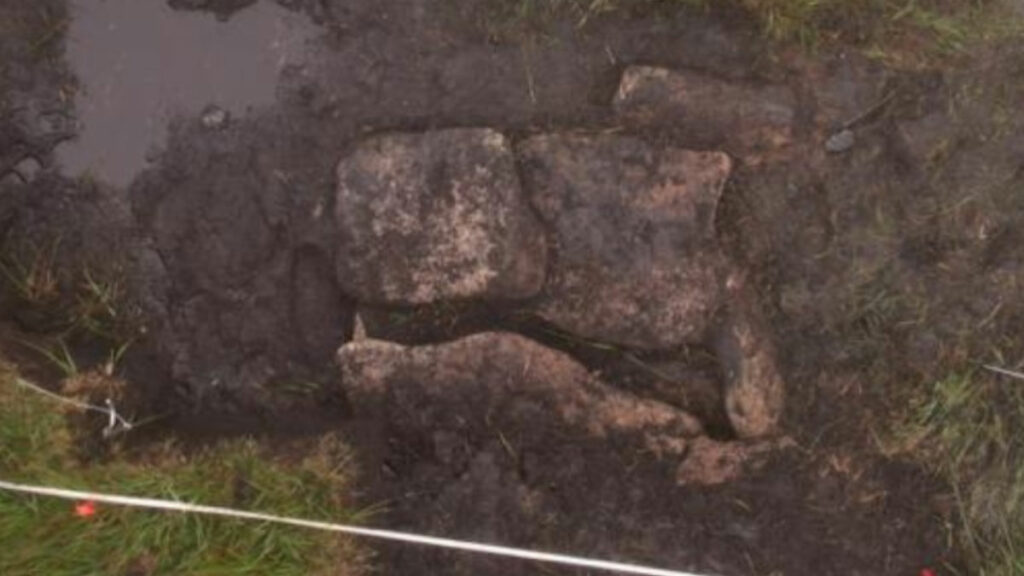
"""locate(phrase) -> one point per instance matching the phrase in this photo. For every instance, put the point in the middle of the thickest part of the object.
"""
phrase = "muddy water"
(139, 63)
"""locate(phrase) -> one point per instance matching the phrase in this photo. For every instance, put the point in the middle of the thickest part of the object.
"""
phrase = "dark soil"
(879, 269)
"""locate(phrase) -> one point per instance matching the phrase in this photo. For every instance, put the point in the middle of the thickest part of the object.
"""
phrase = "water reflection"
(139, 62)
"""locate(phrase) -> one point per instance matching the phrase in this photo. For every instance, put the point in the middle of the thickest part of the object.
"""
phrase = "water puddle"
(139, 63)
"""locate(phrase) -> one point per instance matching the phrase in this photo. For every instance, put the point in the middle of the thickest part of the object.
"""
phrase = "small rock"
(28, 169)
(713, 112)
(637, 263)
(435, 216)
(841, 141)
(754, 389)
(215, 117)
(359, 329)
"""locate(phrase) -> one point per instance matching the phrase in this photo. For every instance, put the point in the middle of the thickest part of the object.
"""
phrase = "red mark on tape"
(88, 508)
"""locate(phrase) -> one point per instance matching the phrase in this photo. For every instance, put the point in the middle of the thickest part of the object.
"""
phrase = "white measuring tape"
(465, 546)
(116, 422)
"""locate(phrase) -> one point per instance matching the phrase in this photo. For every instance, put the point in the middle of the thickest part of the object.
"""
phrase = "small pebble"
(215, 117)
(840, 141)
(28, 169)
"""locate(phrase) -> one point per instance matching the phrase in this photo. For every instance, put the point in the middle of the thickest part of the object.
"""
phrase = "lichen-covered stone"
(435, 216)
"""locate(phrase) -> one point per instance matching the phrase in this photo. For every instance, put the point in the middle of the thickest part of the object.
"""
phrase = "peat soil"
(879, 268)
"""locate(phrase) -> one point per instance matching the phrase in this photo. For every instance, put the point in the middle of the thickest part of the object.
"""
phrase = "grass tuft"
(35, 283)
(900, 32)
(97, 308)
(57, 355)
(69, 306)
(968, 428)
(43, 536)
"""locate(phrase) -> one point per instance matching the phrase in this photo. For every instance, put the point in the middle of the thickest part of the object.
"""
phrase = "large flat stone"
(435, 216)
(636, 261)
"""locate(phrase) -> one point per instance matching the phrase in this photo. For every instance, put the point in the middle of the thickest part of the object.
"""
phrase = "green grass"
(970, 429)
(98, 307)
(860, 20)
(69, 306)
(35, 283)
(905, 32)
(43, 536)
(34, 28)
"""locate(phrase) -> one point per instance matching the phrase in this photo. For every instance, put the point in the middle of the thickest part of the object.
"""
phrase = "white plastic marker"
(172, 506)
(115, 421)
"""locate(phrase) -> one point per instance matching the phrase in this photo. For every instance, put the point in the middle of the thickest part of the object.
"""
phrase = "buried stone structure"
(246, 273)
(562, 346)
(606, 237)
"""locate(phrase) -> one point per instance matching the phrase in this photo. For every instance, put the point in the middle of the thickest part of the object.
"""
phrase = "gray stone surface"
(841, 141)
(635, 258)
(435, 216)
